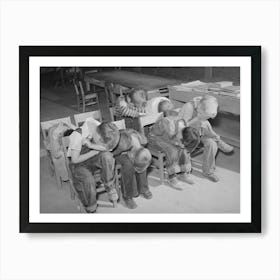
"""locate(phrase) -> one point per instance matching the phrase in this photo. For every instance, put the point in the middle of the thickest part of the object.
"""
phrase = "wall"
(139, 256)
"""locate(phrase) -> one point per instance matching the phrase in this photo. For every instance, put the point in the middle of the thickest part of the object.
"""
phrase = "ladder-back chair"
(84, 98)
(80, 118)
(45, 126)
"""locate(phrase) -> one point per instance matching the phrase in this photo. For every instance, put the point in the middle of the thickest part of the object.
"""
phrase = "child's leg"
(185, 166)
(209, 132)
(142, 185)
(128, 186)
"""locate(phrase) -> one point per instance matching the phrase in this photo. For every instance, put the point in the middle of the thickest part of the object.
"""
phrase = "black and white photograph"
(156, 143)
(140, 139)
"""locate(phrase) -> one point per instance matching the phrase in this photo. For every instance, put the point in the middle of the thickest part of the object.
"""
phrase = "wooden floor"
(202, 197)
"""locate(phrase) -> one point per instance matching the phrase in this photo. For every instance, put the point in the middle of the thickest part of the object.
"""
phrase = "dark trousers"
(84, 180)
(133, 183)
(133, 123)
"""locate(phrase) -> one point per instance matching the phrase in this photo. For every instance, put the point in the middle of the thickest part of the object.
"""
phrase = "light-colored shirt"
(77, 140)
(152, 104)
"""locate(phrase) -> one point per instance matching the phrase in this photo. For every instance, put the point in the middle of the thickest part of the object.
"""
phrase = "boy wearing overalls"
(89, 152)
(196, 114)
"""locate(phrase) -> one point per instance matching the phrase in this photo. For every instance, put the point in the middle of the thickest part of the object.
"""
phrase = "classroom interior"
(58, 99)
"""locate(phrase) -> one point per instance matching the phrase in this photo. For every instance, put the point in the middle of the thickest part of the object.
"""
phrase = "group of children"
(177, 134)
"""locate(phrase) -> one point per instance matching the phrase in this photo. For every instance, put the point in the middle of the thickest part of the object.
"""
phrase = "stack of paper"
(223, 88)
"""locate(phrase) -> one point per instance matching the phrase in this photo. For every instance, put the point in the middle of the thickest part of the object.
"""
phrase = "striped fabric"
(128, 110)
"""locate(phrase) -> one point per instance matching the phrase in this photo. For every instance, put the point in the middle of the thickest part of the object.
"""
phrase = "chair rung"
(90, 103)
(90, 95)
(104, 203)
(100, 189)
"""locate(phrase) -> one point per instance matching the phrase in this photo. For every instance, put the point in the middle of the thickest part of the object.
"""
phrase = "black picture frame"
(25, 52)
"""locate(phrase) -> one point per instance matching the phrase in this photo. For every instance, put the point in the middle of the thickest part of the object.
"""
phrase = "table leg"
(88, 86)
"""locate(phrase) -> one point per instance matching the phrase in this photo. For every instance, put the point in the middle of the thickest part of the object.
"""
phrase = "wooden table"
(131, 80)
(152, 84)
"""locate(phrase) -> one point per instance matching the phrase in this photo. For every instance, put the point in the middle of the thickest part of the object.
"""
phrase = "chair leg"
(58, 180)
(84, 105)
(51, 166)
(78, 103)
(88, 86)
(72, 192)
(161, 168)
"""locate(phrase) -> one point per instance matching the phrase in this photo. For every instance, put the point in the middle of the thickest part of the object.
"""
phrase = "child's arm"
(76, 157)
(209, 130)
(128, 109)
(95, 147)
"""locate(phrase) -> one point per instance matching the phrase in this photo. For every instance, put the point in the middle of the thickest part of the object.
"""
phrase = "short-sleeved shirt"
(77, 139)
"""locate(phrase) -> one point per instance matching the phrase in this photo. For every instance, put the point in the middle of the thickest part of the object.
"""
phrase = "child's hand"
(217, 138)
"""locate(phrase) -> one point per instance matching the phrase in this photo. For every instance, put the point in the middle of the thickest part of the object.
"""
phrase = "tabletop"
(131, 79)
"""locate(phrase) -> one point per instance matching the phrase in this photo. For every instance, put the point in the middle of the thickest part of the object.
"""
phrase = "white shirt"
(77, 140)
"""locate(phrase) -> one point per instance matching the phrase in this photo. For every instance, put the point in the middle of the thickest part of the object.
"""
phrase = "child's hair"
(109, 134)
(191, 138)
(161, 106)
(132, 92)
(208, 99)
(142, 160)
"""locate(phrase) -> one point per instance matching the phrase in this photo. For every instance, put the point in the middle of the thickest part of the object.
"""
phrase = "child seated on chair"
(134, 160)
(166, 135)
(131, 107)
(196, 114)
(89, 150)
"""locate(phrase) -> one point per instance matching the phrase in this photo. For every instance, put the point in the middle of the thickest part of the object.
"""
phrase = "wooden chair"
(45, 126)
(99, 189)
(158, 158)
(84, 98)
(80, 118)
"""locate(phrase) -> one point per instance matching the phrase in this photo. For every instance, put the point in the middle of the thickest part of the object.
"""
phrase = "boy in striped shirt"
(131, 108)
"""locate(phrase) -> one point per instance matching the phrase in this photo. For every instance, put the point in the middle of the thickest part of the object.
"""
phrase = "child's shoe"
(130, 203)
(226, 148)
(147, 194)
(174, 183)
(185, 178)
(212, 177)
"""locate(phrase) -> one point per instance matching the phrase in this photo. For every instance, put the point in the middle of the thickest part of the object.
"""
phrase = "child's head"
(142, 159)
(190, 138)
(207, 107)
(109, 135)
(165, 106)
(138, 97)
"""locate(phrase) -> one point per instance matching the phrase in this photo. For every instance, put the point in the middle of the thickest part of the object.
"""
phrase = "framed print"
(140, 138)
